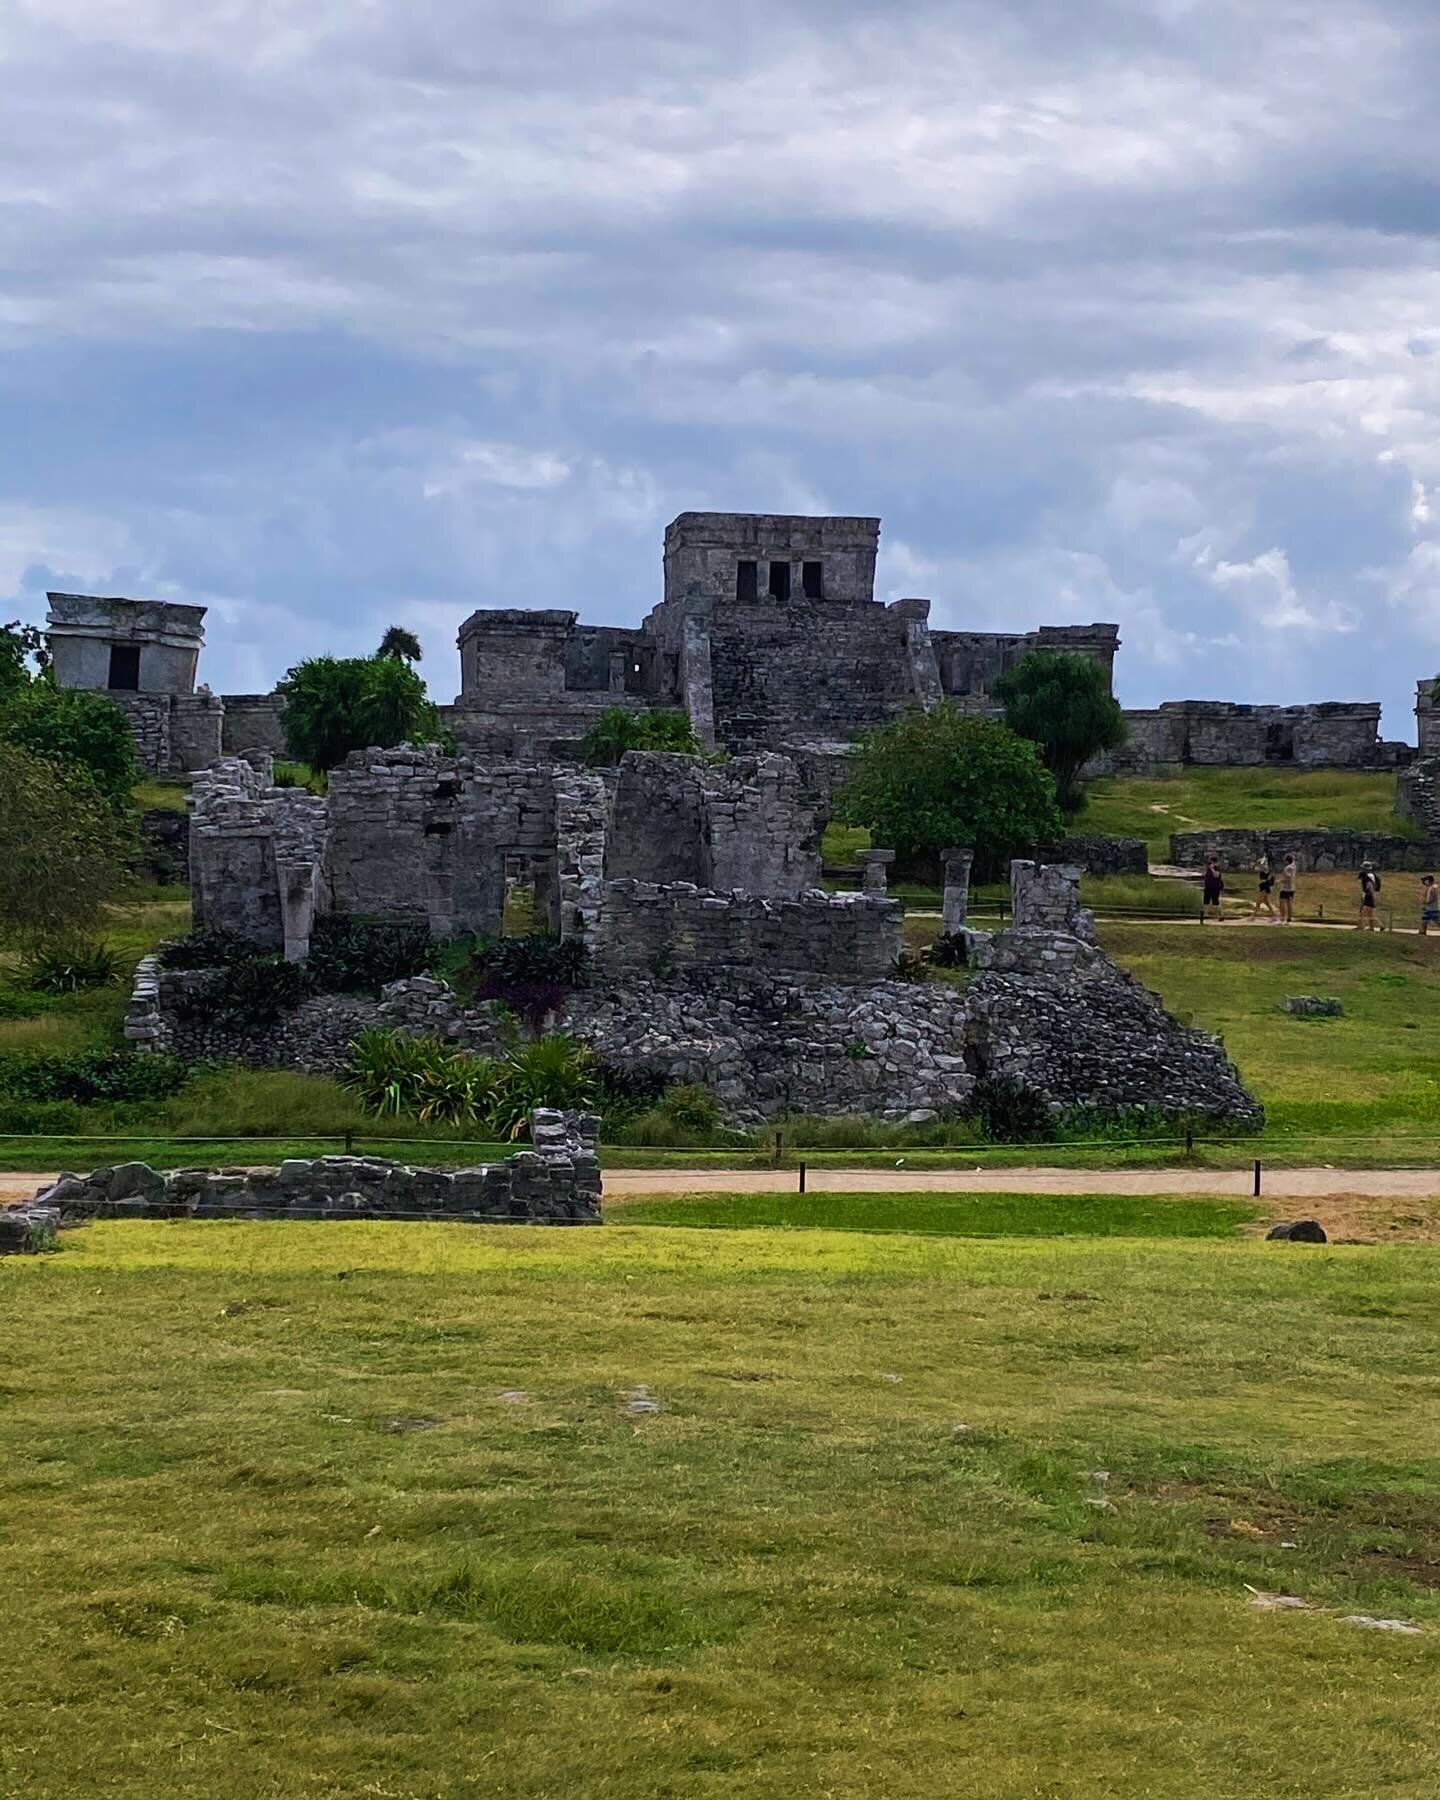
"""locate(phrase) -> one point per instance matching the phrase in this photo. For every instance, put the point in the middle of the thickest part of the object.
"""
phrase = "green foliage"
(907, 967)
(72, 968)
(531, 975)
(1008, 1113)
(20, 645)
(551, 1071)
(618, 730)
(933, 779)
(335, 705)
(91, 1075)
(1063, 703)
(400, 645)
(63, 850)
(359, 956)
(299, 775)
(951, 950)
(251, 991)
(392, 1075)
(211, 948)
(74, 728)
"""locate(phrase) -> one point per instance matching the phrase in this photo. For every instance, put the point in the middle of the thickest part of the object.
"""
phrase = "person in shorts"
(1369, 893)
(1287, 891)
(1429, 904)
(1212, 886)
(1266, 888)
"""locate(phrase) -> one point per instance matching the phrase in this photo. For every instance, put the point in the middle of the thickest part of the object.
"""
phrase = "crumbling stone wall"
(1046, 897)
(255, 855)
(253, 722)
(1095, 855)
(1314, 847)
(677, 926)
(557, 1182)
(1339, 734)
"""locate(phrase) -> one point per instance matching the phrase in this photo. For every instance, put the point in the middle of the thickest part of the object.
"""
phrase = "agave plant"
(388, 1069)
(72, 968)
(458, 1090)
(551, 1071)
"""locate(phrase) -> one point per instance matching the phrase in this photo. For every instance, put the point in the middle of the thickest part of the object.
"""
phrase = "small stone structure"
(29, 1230)
(955, 903)
(1332, 734)
(1095, 855)
(1313, 1006)
(1046, 897)
(557, 1182)
(1314, 847)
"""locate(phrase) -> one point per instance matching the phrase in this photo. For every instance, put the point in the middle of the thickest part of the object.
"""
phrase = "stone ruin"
(714, 955)
(555, 1182)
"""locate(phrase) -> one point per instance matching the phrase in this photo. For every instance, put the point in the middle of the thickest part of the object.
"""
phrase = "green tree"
(618, 730)
(334, 705)
(63, 847)
(72, 726)
(1063, 703)
(400, 645)
(19, 646)
(933, 779)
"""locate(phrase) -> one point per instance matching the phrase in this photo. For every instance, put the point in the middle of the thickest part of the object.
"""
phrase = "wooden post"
(802, 1178)
(1257, 1177)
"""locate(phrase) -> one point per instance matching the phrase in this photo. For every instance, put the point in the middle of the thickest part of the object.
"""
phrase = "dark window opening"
(779, 581)
(1280, 743)
(125, 668)
(745, 581)
(810, 580)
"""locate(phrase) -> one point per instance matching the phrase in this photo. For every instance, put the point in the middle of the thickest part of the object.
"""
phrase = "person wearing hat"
(1369, 890)
(1429, 904)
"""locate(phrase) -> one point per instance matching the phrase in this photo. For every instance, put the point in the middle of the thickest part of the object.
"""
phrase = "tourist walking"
(1212, 887)
(1287, 891)
(1266, 888)
(1369, 893)
(1429, 904)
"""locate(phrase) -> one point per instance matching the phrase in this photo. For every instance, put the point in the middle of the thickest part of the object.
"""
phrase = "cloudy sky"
(336, 313)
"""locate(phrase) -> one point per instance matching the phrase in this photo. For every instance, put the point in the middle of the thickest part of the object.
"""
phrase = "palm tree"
(400, 645)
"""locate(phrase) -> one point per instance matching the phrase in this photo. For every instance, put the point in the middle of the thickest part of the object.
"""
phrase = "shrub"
(530, 975)
(552, 1071)
(623, 1092)
(40, 1118)
(355, 956)
(336, 705)
(618, 730)
(693, 1107)
(908, 967)
(76, 728)
(91, 1075)
(256, 990)
(209, 949)
(72, 969)
(951, 950)
(1009, 1113)
(1062, 702)
(63, 849)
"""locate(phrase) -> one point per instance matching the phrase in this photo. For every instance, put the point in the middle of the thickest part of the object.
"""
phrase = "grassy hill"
(1151, 807)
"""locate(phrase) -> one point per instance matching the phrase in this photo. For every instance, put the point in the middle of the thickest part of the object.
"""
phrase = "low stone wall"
(1314, 848)
(555, 1183)
(1099, 855)
(675, 927)
(166, 1013)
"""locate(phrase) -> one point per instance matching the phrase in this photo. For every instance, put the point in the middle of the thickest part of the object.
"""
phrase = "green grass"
(917, 1516)
(1151, 807)
(157, 796)
(950, 1215)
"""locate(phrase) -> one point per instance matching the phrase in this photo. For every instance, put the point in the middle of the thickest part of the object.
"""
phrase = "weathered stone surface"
(1095, 855)
(555, 1183)
(1313, 1006)
(28, 1230)
(1301, 1231)
(1314, 847)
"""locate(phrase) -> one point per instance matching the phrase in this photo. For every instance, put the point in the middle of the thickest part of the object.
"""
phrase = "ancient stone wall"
(253, 722)
(1427, 718)
(1046, 897)
(1099, 855)
(255, 855)
(1314, 847)
(1338, 734)
(557, 1182)
(673, 927)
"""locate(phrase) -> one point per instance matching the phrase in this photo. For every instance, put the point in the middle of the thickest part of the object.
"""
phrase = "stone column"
(957, 887)
(618, 662)
(875, 863)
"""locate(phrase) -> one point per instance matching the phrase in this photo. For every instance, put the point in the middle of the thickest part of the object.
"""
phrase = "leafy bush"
(63, 848)
(76, 728)
(530, 975)
(1008, 1113)
(257, 990)
(951, 950)
(622, 1092)
(17, 1003)
(1062, 702)
(618, 730)
(909, 967)
(72, 969)
(359, 956)
(693, 1107)
(209, 949)
(91, 1075)
(336, 705)
(40, 1118)
(299, 775)
(552, 1071)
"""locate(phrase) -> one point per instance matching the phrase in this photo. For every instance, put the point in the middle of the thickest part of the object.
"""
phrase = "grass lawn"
(1151, 807)
(949, 1215)
(365, 1509)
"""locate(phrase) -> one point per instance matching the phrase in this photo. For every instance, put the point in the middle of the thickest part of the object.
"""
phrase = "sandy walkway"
(1278, 1184)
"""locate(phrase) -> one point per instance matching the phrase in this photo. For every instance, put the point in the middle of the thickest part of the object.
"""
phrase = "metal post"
(1257, 1177)
(802, 1178)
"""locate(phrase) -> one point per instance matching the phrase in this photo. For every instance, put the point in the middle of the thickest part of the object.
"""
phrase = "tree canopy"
(941, 778)
(618, 730)
(333, 705)
(19, 646)
(62, 849)
(1062, 702)
(72, 726)
(400, 645)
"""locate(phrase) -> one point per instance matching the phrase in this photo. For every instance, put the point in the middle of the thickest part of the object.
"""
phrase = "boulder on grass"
(1300, 1231)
